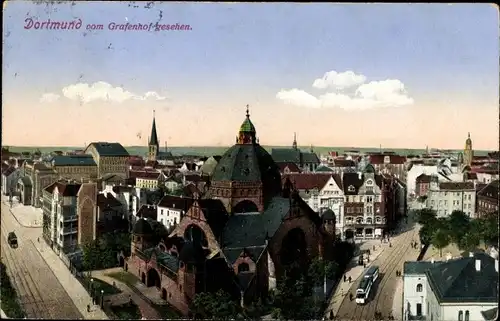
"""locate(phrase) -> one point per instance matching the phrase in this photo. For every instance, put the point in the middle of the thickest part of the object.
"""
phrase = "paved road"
(39, 291)
(384, 289)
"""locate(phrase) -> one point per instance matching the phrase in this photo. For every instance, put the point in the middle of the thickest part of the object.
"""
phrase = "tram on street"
(363, 291)
(372, 273)
(12, 238)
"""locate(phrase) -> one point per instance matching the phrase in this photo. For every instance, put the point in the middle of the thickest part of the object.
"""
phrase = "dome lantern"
(247, 133)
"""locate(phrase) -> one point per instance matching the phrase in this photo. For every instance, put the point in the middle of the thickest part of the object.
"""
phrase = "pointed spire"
(248, 111)
(294, 145)
(153, 140)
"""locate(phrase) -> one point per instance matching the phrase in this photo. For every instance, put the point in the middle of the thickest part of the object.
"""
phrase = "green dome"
(247, 126)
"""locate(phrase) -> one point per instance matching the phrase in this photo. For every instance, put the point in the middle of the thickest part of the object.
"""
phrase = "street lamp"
(102, 298)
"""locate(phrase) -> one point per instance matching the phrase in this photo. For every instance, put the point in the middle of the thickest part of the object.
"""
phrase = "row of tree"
(292, 299)
(458, 228)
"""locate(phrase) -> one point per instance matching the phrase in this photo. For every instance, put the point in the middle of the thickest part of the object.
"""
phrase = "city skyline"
(396, 75)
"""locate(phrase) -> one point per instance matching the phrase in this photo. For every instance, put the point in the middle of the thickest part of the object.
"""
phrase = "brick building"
(111, 158)
(240, 238)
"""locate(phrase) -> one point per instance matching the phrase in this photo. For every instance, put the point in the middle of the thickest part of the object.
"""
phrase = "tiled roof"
(190, 190)
(309, 158)
(8, 171)
(109, 149)
(308, 181)
(456, 186)
(73, 160)
(64, 188)
(148, 211)
(252, 229)
(343, 163)
(147, 175)
(164, 258)
(193, 178)
(323, 169)
(458, 281)
(215, 213)
(292, 167)
(418, 267)
(491, 190)
(177, 202)
(393, 159)
(286, 155)
(423, 178)
(107, 201)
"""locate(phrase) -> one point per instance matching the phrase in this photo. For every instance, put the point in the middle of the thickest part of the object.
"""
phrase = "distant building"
(423, 183)
(78, 167)
(111, 158)
(171, 209)
(154, 153)
(149, 179)
(446, 197)
(389, 164)
(209, 165)
(34, 178)
(306, 161)
(487, 199)
(10, 176)
(464, 289)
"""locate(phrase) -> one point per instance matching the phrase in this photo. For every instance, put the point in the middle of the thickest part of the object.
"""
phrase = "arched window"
(195, 235)
(466, 315)
(243, 267)
(368, 220)
(460, 315)
(359, 220)
(419, 287)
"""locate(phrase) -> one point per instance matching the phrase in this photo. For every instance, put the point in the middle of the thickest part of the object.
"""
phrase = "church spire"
(247, 133)
(153, 140)
(294, 145)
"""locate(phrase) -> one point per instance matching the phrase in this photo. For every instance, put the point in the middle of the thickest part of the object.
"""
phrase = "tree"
(217, 305)
(489, 227)
(425, 234)
(91, 256)
(440, 239)
(458, 224)
(319, 268)
(469, 241)
(426, 216)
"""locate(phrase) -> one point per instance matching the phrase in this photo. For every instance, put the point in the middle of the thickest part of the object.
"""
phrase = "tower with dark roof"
(294, 145)
(153, 145)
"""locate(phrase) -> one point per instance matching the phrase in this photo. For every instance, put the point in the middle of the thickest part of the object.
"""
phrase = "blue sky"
(246, 53)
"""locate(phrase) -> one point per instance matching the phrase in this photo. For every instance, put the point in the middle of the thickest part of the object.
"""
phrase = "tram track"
(387, 262)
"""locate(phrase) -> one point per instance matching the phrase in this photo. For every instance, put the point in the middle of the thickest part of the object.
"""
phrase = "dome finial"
(468, 134)
(248, 111)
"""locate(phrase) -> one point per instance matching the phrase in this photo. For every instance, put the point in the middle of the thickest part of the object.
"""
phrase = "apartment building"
(171, 209)
(60, 216)
(446, 197)
(77, 167)
(487, 199)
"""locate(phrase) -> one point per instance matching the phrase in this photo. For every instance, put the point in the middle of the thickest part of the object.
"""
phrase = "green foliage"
(489, 227)
(440, 239)
(215, 305)
(318, 269)
(10, 303)
(458, 225)
(426, 216)
(103, 252)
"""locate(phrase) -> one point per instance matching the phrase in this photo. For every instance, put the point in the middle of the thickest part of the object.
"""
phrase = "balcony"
(69, 230)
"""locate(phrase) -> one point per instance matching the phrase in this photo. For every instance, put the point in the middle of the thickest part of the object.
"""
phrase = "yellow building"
(110, 158)
(149, 180)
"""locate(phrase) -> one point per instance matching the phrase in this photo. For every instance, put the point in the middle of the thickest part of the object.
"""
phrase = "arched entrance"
(245, 206)
(153, 278)
(163, 293)
(294, 248)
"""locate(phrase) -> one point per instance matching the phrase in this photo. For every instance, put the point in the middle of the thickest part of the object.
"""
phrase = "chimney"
(478, 265)
(496, 265)
(471, 254)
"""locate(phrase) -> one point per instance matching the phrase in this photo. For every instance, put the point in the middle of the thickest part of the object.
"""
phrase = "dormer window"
(369, 182)
(350, 188)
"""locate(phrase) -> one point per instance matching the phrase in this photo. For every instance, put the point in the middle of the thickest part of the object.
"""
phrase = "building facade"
(447, 197)
(306, 161)
(77, 167)
(10, 177)
(464, 289)
(171, 209)
(111, 158)
(423, 184)
(487, 199)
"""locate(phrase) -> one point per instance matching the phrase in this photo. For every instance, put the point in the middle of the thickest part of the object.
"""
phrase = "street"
(383, 291)
(39, 291)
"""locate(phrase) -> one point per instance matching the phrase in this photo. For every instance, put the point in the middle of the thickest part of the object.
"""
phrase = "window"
(350, 188)
(460, 315)
(243, 267)
(419, 287)
(161, 212)
(466, 315)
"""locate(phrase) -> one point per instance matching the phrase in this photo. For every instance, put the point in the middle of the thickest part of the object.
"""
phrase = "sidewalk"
(26, 216)
(354, 271)
(147, 311)
(3, 315)
(71, 285)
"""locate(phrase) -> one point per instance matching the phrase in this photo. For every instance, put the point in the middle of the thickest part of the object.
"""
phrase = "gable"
(331, 185)
(369, 184)
(196, 213)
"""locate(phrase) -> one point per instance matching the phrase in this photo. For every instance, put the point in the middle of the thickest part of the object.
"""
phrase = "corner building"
(239, 238)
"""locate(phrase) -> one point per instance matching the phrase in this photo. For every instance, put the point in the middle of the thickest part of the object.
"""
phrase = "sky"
(364, 75)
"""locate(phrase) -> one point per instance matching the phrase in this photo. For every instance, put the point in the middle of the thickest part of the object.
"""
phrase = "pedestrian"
(350, 279)
(88, 307)
(350, 296)
(390, 245)
(341, 292)
(345, 278)
(331, 315)
(374, 248)
(38, 239)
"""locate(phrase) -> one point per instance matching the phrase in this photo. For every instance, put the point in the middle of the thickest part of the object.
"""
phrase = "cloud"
(339, 80)
(375, 94)
(49, 98)
(86, 93)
